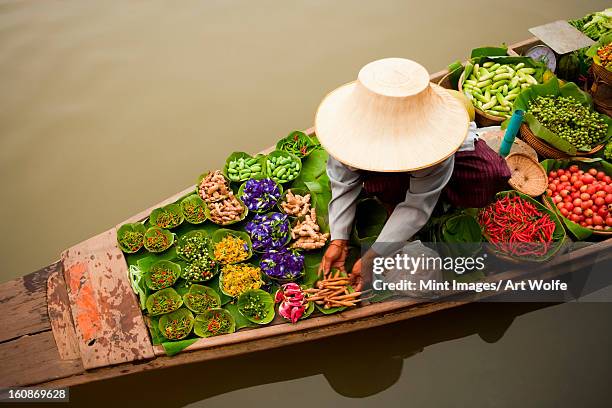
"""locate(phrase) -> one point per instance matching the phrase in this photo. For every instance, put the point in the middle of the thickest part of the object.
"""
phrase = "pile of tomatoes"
(584, 197)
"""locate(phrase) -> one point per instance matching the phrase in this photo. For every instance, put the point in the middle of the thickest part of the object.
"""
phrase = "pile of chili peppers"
(516, 227)
(177, 329)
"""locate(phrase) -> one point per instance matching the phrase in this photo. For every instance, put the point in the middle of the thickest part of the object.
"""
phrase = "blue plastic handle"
(511, 131)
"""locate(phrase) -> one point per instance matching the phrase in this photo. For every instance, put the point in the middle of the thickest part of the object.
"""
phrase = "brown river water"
(109, 107)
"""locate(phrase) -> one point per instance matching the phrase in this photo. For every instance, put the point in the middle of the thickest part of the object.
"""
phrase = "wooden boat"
(78, 321)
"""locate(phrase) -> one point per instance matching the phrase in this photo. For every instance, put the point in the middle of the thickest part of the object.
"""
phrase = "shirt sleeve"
(413, 213)
(345, 188)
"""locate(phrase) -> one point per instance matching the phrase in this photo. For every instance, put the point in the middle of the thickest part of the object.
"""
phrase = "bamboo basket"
(548, 205)
(483, 119)
(547, 151)
(528, 176)
(601, 90)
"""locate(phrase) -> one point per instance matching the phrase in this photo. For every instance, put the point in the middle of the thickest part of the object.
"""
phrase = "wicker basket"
(547, 151)
(483, 119)
(528, 176)
(548, 205)
(601, 90)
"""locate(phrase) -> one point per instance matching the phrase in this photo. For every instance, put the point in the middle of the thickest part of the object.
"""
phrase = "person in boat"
(395, 135)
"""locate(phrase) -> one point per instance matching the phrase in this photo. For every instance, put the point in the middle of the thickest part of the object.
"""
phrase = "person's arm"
(345, 188)
(414, 212)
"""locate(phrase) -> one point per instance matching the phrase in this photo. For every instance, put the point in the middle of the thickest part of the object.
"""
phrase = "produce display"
(164, 301)
(158, 239)
(282, 264)
(493, 87)
(231, 247)
(170, 216)
(595, 25)
(238, 278)
(333, 293)
(194, 209)
(268, 231)
(242, 167)
(130, 237)
(604, 56)
(259, 195)
(283, 167)
(162, 274)
(298, 143)
(257, 306)
(292, 301)
(201, 298)
(570, 120)
(176, 325)
(214, 322)
(307, 234)
(516, 227)
(295, 204)
(584, 197)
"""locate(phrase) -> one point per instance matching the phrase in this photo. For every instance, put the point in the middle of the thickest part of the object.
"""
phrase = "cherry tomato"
(557, 199)
(577, 202)
(578, 184)
(564, 193)
(565, 213)
(588, 221)
(574, 218)
(552, 174)
(602, 212)
(591, 189)
(586, 204)
(585, 196)
(599, 201)
(592, 171)
(552, 187)
(600, 175)
(598, 220)
(583, 189)
(608, 221)
(575, 194)
(588, 213)
(560, 172)
(564, 178)
(608, 189)
(607, 179)
(587, 179)
(577, 210)
(608, 198)
(569, 206)
(574, 168)
(573, 179)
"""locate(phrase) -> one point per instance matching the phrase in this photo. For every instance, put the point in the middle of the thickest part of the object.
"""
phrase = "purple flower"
(260, 195)
(268, 231)
(282, 264)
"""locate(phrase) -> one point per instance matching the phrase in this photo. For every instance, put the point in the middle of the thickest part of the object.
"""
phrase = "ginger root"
(306, 233)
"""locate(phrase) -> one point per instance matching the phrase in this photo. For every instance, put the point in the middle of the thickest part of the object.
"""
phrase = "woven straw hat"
(391, 119)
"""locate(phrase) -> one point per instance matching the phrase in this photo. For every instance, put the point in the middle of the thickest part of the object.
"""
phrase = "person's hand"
(361, 275)
(334, 257)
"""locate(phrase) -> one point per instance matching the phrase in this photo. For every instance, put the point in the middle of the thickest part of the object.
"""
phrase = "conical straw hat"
(391, 119)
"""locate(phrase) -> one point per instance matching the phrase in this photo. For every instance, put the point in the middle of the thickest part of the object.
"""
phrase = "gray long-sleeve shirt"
(407, 218)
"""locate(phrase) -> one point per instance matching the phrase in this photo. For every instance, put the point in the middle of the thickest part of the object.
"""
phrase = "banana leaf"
(578, 231)
(260, 159)
(131, 232)
(159, 234)
(239, 318)
(201, 298)
(169, 295)
(553, 88)
(298, 143)
(220, 234)
(489, 52)
(257, 296)
(176, 325)
(159, 216)
(204, 328)
(194, 209)
(370, 218)
(152, 275)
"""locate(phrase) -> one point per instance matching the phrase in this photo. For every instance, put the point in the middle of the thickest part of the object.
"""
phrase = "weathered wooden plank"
(58, 306)
(34, 359)
(24, 305)
(109, 324)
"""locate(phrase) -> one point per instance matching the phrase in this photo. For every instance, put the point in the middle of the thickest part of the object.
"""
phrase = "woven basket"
(483, 119)
(547, 151)
(548, 205)
(528, 176)
(601, 90)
